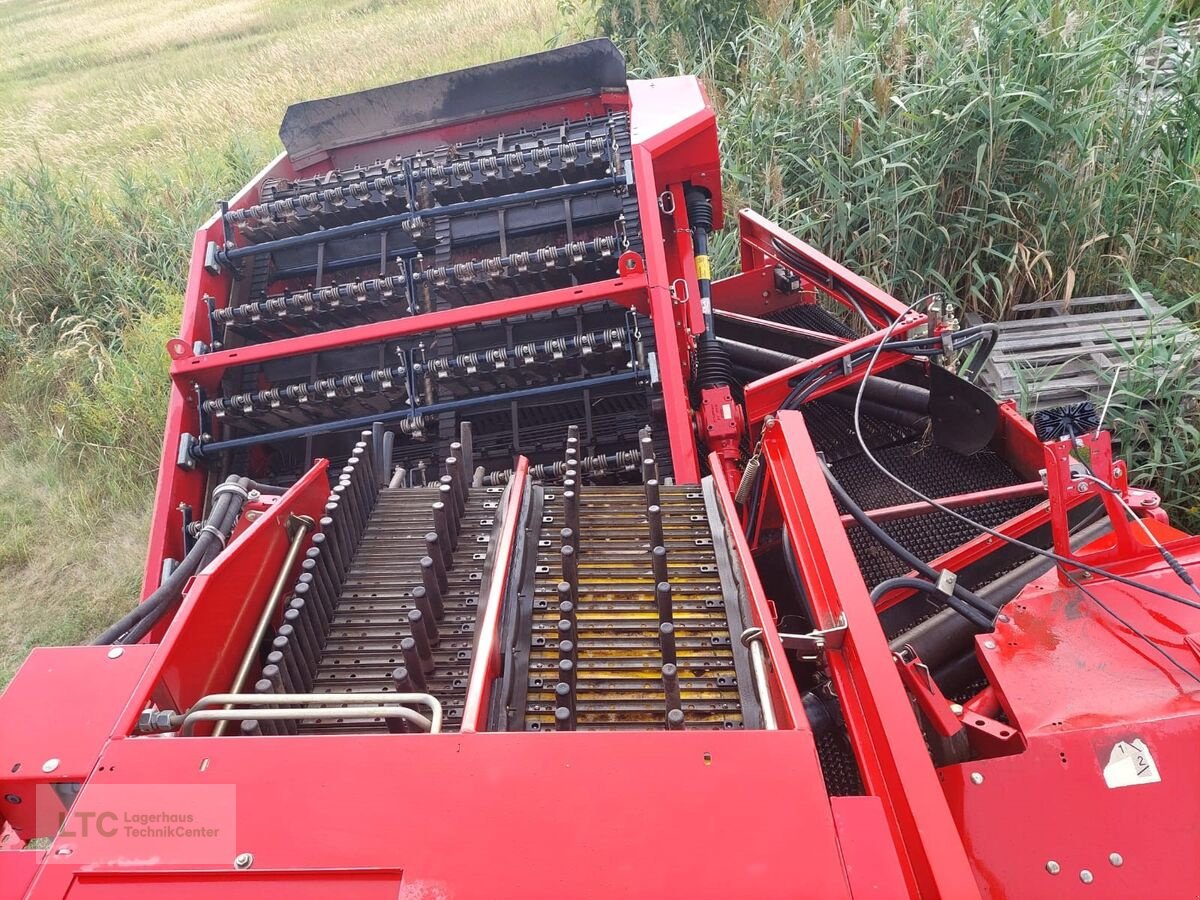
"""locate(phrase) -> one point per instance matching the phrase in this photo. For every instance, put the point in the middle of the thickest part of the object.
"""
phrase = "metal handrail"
(222, 716)
(309, 706)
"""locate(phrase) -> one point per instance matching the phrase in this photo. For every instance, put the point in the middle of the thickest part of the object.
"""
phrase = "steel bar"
(222, 716)
(302, 525)
(228, 255)
(670, 678)
(666, 639)
(753, 639)
(658, 562)
(425, 608)
(655, 523)
(432, 587)
(278, 660)
(385, 460)
(263, 686)
(467, 439)
(412, 662)
(289, 660)
(205, 449)
(420, 634)
(652, 493)
(664, 601)
(439, 553)
(446, 493)
(447, 538)
(298, 641)
(570, 569)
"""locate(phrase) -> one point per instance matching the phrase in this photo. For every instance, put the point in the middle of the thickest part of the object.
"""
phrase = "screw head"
(51, 764)
(1086, 876)
(1116, 859)
(64, 851)
(115, 653)
(976, 778)
(1053, 868)
(1083, 489)
(243, 861)
(956, 708)
(990, 645)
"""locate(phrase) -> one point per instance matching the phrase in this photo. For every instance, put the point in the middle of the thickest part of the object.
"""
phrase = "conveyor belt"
(619, 658)
(363, 648)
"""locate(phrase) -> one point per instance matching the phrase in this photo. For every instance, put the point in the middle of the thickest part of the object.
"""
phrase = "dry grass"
(124, 123)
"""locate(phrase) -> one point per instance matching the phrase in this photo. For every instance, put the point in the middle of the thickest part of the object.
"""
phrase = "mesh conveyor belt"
(832, 430)
(812, 317)
(937, 472)
(619, 652)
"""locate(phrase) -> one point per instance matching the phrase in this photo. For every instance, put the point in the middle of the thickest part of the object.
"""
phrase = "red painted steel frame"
(887, 741)
(674, 139)
(486, 664)
(759, 256)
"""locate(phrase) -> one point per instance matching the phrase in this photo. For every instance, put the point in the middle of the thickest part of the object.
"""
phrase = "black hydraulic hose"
(884, 390)
(900, 551)
(991, 335)
(146, 614)
(984, 623)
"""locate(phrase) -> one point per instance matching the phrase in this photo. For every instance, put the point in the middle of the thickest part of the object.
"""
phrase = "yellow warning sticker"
(703, 270)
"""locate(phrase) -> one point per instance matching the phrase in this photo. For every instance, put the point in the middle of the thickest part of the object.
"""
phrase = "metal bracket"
(814, 643)
(184, 457)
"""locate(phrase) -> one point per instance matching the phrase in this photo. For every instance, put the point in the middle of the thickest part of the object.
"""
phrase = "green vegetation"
(125, 122)
(1000, 152)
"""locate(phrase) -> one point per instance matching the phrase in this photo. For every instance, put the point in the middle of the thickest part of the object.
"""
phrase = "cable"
(1016, 542)
(1172, 660)
(1167, 555)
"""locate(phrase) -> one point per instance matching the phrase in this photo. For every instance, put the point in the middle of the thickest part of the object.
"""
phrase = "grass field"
(124, 123)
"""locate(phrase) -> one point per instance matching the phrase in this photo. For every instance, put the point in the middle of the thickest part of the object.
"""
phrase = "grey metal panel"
(313, 128)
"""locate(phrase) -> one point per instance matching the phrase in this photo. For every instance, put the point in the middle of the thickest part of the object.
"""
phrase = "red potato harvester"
(498, 551)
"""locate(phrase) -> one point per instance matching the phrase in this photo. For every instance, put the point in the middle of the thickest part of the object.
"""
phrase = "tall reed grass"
(997, 151)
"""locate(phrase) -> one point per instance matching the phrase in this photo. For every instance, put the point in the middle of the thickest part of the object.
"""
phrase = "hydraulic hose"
(900, 551)
(981, 621)
(226, 508)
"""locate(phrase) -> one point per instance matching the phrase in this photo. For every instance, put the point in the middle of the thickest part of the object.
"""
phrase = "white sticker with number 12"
(1130, 763)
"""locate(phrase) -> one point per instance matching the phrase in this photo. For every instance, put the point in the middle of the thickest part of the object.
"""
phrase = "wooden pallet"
(1051, 354)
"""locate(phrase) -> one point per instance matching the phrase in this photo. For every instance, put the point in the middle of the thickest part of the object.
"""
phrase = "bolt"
(956, 708)
(1116, 859)
(51, 764)
(976, 778)
(1117, 472)
(1053, 868)
(990, 645)
(1083, 487)
(1086, 877)
(243, 861)
(64, 851)
(115, 653)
